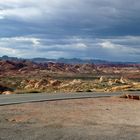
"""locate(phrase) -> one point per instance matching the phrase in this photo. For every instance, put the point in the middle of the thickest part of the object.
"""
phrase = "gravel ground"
(87, 119)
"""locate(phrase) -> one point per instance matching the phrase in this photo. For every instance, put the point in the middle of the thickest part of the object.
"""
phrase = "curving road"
(40, 97)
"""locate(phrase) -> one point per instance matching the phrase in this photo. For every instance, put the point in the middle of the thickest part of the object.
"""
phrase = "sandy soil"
(89, 119)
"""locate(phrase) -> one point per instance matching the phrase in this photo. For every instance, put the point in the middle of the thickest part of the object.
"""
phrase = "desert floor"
(87, 119)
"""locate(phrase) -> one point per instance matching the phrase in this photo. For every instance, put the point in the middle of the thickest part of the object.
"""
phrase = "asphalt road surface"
(40, 97)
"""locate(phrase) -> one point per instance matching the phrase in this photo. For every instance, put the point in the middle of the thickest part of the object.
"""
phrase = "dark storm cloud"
(106, 29)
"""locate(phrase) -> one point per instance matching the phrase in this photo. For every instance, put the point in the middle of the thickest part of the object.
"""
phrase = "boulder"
(75, 82)
(54, 82)
(7, 92)
(103, 79)
(123, 81)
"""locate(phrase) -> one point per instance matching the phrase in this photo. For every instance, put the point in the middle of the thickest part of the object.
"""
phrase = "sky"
(86, 29)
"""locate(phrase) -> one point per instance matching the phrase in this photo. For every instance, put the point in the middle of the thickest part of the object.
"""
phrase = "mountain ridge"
(66, 60)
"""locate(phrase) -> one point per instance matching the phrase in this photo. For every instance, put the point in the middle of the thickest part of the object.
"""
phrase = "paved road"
(40, 97)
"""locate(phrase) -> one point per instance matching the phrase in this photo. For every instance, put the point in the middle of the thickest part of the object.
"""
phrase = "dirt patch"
(105, 118)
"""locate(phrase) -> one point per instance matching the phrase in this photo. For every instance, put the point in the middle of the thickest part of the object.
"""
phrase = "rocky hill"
(27, 66)
(24, 65)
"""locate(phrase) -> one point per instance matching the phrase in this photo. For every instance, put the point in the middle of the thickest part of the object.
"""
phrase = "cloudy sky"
(100, 29)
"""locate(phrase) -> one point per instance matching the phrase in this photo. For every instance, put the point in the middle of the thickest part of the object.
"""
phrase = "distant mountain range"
(66, 61)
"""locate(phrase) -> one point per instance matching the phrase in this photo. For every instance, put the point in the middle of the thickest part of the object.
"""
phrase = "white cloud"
(18, 46)
(30, 46)
(22, 39)
(108, 45)
(26, 14)
(9, 51)
(115, 48)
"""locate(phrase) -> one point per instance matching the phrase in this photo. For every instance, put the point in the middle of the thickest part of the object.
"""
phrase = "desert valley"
(26, 76)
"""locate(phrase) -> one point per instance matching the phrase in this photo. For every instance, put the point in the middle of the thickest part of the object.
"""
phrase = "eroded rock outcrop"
(40, 84)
